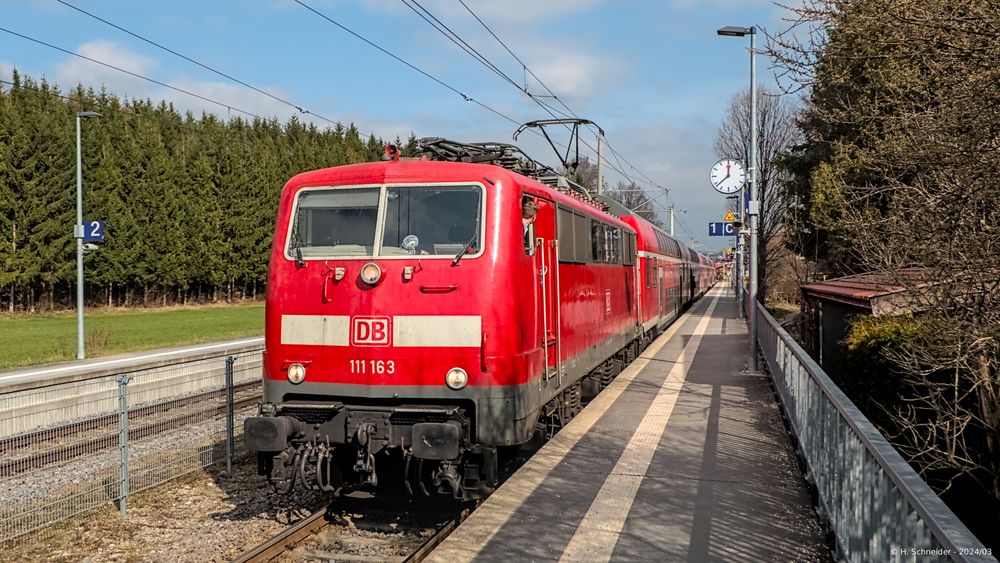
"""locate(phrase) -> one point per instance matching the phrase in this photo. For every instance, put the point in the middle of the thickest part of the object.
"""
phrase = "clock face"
(728, 176)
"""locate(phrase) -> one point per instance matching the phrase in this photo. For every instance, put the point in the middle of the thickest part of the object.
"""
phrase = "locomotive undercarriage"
(332, 447)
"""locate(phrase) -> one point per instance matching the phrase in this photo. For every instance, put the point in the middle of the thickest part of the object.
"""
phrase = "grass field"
(46, 338)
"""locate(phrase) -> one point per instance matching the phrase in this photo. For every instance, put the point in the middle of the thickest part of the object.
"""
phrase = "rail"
(285, 540)
(877, 506)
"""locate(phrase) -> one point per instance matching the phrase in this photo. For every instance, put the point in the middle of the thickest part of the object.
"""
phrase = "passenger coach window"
(606, 243)
(614, 246)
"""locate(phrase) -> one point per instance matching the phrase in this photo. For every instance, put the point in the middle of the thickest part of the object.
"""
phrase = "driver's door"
(547, 268)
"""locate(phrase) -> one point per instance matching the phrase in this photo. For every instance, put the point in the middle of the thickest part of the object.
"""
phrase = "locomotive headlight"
(371, 273)
(296, 373)
(456, 378)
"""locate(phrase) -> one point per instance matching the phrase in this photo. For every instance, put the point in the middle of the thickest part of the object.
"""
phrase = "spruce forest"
(188, 201)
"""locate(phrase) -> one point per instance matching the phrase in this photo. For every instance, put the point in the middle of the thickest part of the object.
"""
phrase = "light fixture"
(735, 31)
(456, 378)
(371, 273)
(296, 374)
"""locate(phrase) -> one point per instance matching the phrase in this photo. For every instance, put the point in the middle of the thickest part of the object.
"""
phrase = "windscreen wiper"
(475, 234)
(465, 249)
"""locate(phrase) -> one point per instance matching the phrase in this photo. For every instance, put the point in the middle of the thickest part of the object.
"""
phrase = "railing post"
(230, 360)
(123, 382)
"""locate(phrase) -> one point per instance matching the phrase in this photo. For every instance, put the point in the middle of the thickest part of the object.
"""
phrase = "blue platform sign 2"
(721, 229)
(93, 231)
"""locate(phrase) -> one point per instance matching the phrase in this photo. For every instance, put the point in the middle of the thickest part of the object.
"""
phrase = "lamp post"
(754, 207)
(78, 233)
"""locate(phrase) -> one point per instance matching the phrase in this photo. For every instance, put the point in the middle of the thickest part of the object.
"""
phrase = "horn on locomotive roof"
(391, 153)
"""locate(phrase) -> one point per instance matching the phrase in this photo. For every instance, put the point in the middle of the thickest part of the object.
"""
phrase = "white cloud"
(382, 128)
(178, 90)
(574, 74)
(237, 97)
(6, 70)
(568, 64)
(75, 70)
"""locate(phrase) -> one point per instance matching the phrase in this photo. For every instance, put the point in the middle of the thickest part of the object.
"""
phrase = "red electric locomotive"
(417, 321)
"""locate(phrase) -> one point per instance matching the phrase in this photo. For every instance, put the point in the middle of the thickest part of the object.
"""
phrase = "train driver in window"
(529, 209)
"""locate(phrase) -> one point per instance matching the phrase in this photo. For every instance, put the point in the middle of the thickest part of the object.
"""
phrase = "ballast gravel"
(204, 516)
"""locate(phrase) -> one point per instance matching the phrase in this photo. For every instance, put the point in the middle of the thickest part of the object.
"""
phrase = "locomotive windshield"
(425, 220)
(335, 222)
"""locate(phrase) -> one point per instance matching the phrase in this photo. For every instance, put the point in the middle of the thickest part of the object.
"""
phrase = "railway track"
(286, 540)
(28, 452)
(341, 533)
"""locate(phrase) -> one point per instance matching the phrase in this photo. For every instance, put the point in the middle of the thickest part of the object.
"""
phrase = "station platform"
(684, 457)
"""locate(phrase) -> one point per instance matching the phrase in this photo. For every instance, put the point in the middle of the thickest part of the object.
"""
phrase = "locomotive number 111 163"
(363, 367)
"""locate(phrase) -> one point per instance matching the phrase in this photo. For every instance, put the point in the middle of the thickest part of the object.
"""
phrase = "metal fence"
(120, 435)
(877, 506)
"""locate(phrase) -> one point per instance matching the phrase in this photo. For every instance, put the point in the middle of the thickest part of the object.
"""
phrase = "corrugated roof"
(862, 290)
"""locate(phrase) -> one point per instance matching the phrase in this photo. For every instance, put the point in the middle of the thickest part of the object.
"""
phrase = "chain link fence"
(90, 443)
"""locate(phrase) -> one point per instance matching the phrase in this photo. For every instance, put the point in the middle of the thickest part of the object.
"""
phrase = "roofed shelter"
(830, 304)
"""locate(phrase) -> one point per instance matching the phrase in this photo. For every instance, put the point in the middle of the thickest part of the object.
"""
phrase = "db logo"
(371, 331)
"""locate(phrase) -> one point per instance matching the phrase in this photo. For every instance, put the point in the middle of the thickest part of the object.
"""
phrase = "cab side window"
(529, 210)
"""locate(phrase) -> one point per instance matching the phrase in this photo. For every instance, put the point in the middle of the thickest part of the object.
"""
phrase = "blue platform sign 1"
(93, 231)
(721, 229)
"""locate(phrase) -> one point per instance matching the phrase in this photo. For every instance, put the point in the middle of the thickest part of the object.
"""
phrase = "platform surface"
(683, 457)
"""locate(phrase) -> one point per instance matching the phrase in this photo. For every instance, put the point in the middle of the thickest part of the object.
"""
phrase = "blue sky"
(652, 73)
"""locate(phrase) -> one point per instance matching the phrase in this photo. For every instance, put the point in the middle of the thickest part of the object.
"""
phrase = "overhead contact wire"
(518, 59)
(380, 48)
(464, 96)
(300, 109)
(548, 108)
(443, 28)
